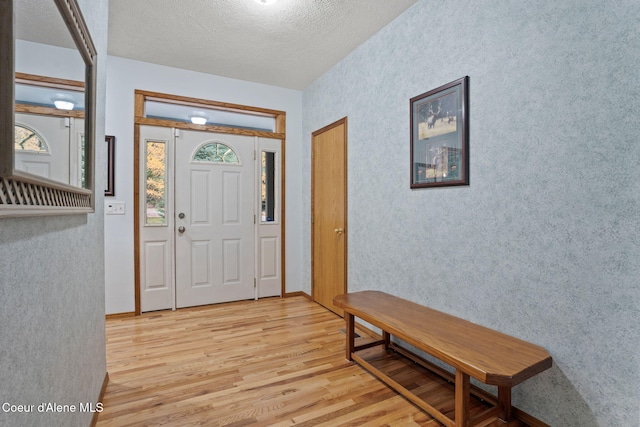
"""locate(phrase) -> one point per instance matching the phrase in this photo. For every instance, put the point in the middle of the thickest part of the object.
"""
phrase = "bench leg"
(504, 399)
(463, 398)
(386, 338)
(348, 318)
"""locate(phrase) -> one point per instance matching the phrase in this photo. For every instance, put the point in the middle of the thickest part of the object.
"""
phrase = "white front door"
(215, 217)
(227, 199)
(51, 160)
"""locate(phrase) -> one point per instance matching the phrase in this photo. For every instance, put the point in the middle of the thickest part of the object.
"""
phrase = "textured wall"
(544, 243)
(52, 342)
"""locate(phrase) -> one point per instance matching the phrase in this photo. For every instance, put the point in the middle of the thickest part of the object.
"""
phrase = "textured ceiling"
(39, 21)
(288, 44)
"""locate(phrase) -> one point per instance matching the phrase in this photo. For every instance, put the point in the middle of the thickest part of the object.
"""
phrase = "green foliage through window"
(156, 179)
(216, 152)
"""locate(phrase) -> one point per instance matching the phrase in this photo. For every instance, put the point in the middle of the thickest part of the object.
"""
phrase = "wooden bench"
(473, 350)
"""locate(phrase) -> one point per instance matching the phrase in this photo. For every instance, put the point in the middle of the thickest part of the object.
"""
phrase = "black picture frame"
(440, 136)
(111, 151)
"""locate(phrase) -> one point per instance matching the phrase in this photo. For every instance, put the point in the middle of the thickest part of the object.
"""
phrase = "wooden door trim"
(136, 218)
(342, 121)
(140, 97)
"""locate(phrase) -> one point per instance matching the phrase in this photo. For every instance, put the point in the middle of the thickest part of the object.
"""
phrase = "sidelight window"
(156, 174)
(268, 187)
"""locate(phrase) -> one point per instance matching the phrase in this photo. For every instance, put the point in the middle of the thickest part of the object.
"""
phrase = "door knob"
(339, 230)
(181, 229)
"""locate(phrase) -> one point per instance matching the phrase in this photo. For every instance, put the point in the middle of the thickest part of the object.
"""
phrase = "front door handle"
(338, 230)
(181, 229)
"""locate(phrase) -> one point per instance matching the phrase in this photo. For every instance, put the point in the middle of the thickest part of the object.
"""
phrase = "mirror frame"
(22, 193)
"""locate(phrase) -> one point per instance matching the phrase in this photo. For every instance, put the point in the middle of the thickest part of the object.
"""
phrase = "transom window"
(27, 139)
(216, 152)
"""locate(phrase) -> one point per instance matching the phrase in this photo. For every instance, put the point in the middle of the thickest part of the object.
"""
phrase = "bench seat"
(472, 350)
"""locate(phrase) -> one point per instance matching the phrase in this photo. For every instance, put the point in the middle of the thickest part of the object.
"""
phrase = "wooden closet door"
(329, 213)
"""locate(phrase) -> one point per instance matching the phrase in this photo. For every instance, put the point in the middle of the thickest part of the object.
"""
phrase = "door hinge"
(255, 283)
(176, 132)
(255, 155)
(254, 219)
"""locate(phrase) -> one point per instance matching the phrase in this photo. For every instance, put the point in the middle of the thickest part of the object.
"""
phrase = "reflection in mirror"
(61, 97)
(49, 93)
(29, 141)
(51, 112)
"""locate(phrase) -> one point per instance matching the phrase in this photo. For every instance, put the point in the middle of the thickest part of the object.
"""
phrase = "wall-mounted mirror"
(47, 111)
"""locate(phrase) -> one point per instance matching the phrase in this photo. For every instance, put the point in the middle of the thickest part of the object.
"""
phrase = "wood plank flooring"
(272, 362)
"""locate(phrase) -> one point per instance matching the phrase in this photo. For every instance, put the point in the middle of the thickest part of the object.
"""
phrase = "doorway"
(329, 213)
(164, 118)
(209, 227)
(214, 193)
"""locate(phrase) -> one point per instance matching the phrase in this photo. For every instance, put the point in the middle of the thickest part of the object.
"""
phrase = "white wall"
(57, 61)
(544, 243)
(52, 342)
(125, 76)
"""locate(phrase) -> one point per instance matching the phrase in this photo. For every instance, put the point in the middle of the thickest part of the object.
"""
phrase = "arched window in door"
(28, 140)
(215, 152)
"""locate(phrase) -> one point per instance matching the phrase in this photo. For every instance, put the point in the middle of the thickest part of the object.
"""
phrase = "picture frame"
(110, 177)
(440, 136)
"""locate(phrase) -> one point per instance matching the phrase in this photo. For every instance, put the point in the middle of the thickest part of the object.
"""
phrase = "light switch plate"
(114, 208)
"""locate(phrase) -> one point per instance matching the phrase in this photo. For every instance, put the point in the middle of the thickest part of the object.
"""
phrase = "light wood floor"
(273, 362)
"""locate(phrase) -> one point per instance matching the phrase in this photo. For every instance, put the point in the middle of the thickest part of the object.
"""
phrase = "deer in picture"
(431, 119)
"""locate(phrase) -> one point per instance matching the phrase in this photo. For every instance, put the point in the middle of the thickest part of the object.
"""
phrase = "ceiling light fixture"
(61, 104)
(265, 2)
(198, 120)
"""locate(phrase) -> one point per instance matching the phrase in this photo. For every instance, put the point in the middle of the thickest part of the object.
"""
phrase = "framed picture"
(111, 147)
(440, 136)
